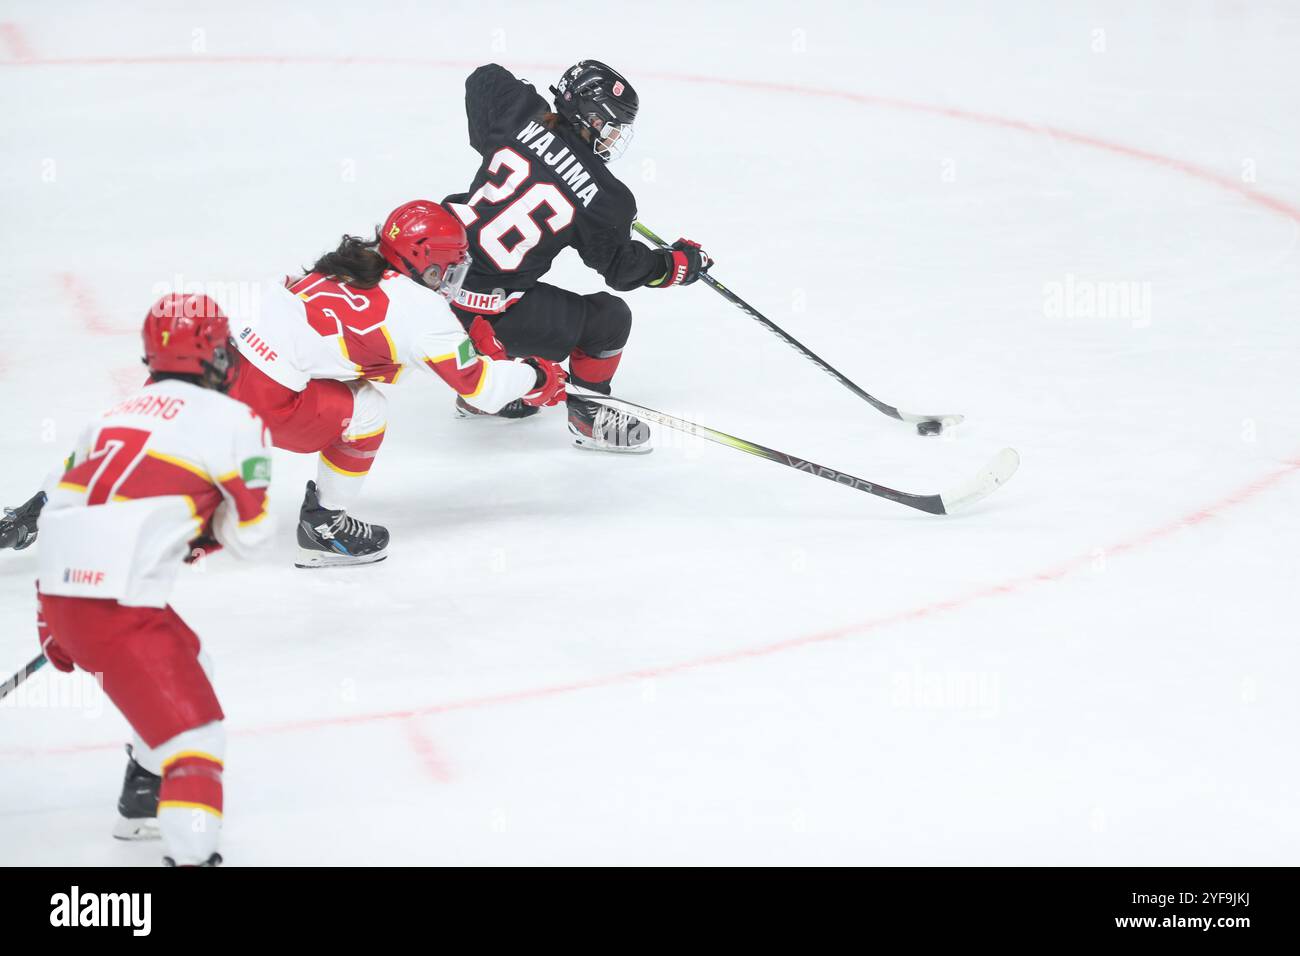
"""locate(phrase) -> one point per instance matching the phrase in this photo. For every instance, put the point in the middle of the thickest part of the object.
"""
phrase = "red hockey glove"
(685, 262)
(53, 653)
(550, 383)
(485, 339)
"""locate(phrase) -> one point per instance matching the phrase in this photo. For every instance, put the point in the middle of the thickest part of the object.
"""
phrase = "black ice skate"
(137, 807)
(329, 538)
(600, 428)
(511, 410)
(18, 525)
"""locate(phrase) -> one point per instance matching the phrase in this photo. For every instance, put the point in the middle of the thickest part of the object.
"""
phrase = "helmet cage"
(447, 283)
(609, 138)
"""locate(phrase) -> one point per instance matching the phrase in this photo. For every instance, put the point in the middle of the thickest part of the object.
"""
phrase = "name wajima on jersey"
(566, 166)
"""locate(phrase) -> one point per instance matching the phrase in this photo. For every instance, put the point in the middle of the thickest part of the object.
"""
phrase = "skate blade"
(591, 444)
(464, 416)
(141, 828)
(308, 558)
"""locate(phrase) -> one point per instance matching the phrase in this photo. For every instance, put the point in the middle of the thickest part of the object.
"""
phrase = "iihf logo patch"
(618, 88)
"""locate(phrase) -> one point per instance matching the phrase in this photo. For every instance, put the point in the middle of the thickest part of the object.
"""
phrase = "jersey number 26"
(518, 216)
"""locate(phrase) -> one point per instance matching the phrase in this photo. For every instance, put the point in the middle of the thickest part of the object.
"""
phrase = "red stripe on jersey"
(335, 309)
(250, 503)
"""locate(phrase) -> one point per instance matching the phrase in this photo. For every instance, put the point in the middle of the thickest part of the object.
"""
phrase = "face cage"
(611, 140)
(220, 372)
(448, 284)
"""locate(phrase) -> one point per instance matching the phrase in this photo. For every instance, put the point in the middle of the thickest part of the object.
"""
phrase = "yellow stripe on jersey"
(392, 349)
(180, 463)
(482, 379)
(257, 517)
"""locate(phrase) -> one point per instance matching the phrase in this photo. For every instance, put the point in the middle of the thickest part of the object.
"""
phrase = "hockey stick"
(925, 424)
(995, 474)
(32, 666)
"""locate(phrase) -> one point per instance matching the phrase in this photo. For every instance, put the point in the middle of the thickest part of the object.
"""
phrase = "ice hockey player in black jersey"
(543, 185)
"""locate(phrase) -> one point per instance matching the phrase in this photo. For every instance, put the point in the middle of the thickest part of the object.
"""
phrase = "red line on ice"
(988, 119)
(1011, 586)
(430, 759)
(15, 42)
(85, 305)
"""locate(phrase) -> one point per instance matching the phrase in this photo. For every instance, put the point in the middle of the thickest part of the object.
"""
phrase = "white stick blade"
(994, 475)
(949, 421)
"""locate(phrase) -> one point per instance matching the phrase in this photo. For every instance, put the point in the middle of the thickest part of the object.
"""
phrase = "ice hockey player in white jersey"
(176, 467)
(364, 314)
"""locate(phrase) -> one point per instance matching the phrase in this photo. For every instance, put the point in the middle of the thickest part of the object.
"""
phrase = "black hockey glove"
(18, 525)
(684, 263)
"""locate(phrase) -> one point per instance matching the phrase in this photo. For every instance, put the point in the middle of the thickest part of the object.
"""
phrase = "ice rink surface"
(1076, 224)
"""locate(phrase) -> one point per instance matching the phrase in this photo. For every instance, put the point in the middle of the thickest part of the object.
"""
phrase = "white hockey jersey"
(318, 327)
(171, 464)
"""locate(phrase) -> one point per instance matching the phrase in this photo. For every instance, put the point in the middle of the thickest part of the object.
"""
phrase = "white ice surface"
(697, 656)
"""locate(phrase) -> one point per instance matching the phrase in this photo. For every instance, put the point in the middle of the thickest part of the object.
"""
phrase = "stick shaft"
(30, 668)
(931, 504)
(780, 333)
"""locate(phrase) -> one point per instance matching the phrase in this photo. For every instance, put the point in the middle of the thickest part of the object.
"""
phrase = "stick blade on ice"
(992, 477)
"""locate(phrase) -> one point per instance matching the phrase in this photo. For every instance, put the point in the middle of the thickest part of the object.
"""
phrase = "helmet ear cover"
(220, 372)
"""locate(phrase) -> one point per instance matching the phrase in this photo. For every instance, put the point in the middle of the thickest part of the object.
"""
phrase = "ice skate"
(328, 538)
(137, 807)
(600, 428)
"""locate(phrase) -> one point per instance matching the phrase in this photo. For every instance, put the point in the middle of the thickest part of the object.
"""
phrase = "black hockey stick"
(32, 666)
(925, 424)
(996, 473)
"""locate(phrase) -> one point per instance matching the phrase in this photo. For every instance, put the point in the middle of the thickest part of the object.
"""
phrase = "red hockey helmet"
(427, 243)
(188, 334)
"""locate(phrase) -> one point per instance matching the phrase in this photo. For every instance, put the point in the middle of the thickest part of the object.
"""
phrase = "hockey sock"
(594, 371)
(190, 800)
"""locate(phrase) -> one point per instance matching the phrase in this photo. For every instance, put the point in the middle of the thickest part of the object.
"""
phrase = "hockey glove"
(18, 525)
(684, 261)
(485, 339)
(550, 383)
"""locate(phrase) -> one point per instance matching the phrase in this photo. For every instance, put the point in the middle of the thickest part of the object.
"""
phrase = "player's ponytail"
(356, 262)
(554, 121)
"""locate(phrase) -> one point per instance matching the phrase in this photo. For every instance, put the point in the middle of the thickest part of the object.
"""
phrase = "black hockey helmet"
(592, 95)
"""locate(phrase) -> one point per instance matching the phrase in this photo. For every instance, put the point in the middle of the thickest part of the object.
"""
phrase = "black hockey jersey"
(539, 190)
